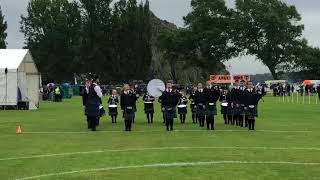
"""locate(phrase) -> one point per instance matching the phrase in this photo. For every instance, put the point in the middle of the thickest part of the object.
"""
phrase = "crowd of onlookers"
(287, 89)
(283, 89)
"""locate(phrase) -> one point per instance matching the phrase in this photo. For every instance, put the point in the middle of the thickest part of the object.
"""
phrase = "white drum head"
(148, 102)
(113, 106)
(224, 104)
(182, 106)
(156, 87)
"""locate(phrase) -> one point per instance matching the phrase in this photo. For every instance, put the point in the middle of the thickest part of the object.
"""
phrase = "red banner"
(220, 79)
(245, 78)
(226, 79)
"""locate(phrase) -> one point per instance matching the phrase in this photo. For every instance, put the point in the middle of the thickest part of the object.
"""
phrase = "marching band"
(239, 105)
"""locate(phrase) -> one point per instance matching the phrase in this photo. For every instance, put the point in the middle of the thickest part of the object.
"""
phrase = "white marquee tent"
(22, 81)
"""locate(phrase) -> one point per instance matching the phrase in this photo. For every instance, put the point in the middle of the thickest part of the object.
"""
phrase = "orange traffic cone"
(19, 130)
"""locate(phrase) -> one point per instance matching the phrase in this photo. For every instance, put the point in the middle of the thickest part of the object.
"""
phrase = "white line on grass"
(155, 148)
(86, 132)
(175, 164)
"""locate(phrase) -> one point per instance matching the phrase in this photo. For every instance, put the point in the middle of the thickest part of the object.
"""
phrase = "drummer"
(193, 106)
(149, 107)
(113, 106)
(224, 98)
(182, 106)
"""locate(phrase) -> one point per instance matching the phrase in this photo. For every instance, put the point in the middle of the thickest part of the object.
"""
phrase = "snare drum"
(182, 106)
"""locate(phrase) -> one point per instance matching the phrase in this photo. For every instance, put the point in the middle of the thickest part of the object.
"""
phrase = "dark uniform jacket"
(93, 103)
(84, 95)
(200, 98)
(170, 99)
(128, 100)
(113, 100)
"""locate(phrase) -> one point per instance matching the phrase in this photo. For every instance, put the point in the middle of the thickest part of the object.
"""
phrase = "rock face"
(159, 67)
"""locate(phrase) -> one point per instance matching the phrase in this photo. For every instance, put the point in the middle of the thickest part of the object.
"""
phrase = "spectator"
(318, 90)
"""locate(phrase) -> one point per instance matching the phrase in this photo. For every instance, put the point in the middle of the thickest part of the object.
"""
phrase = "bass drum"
(156, 87)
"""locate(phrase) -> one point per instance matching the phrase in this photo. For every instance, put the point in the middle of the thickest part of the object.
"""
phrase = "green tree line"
(89, 36)
(118, 41)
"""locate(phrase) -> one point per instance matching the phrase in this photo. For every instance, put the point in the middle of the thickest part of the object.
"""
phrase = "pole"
(6, 95)
(292, 97)
(304, 94)
(309, 98)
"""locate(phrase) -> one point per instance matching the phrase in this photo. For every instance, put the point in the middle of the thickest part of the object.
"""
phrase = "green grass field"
(56, 145)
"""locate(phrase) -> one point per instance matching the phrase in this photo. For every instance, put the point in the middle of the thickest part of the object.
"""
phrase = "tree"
(96, 34)
(3, 34)
(178, 48)
(210, 24)
(308, 63)
(132, 40)
(51, 30)
(269, 29)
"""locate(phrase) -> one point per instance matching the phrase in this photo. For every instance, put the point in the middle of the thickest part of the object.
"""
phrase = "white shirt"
(98, 90)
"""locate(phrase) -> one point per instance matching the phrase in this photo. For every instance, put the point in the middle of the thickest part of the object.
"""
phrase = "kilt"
(231, 110)
(92, 110)
(182, 110)
(212, 110)
(113, 111)
(224, 109)
(237, 109)
(170, 113)
(193, 108)
(201, 110)
(252, 112)
(129, 113)
(243, 109)
(148, 108)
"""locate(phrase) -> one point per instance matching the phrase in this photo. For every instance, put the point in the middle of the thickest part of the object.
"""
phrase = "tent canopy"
(12, 58)
(21, 83)
(310, 82)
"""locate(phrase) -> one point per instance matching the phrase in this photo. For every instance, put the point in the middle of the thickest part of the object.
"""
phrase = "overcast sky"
(173, 11)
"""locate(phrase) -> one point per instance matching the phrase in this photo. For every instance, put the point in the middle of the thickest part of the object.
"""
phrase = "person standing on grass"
(318, 90)
(113, 106)
(135, 91)
(224, 99)
(149, 107)
(251, 103)
(212, 98)
(93, 103)
(127, 102)
(169, 101)
(182, 106)
(193, 106)
(200, 99)
(84, 94)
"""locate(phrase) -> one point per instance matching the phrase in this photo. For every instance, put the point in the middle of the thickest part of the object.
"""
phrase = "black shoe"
(171, 129)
